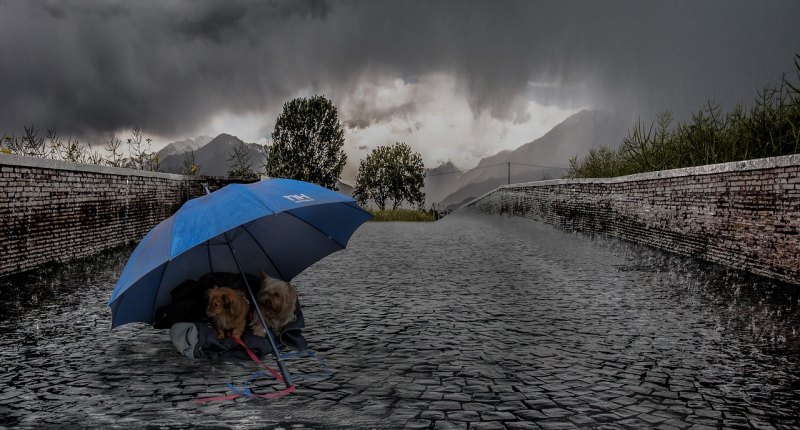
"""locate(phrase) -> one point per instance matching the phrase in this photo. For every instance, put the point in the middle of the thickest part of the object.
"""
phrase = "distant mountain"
(183, 146)
(469, 192)
(211, 158)
(441, 181)
(544, 158)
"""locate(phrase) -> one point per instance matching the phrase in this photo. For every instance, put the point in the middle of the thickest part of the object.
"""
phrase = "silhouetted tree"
(71, 151)
(190, 166)
(241, 163)
(307, 143)
(114, 157)
(391, 173)
(141, 157)
(31, 144)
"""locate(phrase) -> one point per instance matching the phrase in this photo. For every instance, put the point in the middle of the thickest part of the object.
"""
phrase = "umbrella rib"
(208, 251)
(264, 251)
(116, 314)
(315, 228)
(155, 299)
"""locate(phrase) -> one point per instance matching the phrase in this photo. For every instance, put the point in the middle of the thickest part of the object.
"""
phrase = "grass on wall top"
(401, 215)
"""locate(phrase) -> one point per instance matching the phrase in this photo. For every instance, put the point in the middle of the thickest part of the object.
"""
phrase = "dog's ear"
(263, 275)
(274, 282)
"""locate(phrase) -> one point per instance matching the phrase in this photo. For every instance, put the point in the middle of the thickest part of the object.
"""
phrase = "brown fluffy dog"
(228, 309)
(276, 299)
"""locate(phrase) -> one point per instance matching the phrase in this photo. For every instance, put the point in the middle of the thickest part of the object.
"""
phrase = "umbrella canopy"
(280, 226)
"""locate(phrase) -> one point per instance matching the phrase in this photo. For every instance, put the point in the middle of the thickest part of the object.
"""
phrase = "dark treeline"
(770, 128)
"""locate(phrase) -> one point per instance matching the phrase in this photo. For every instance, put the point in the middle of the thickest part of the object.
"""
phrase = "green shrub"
(770, 128)
(400, 215)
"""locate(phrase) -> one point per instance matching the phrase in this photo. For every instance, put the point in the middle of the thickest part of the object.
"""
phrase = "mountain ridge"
(542, 158)
(446, 186)
(210, 158)
(183, 146)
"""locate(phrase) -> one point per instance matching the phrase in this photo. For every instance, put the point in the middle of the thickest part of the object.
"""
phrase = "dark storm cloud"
(93, 67)
(361, 114)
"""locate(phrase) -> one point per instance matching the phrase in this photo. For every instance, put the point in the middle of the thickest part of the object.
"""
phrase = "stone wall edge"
(46, 163)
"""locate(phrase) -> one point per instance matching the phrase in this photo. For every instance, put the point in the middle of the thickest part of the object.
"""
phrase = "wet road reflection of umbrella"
(280, 226)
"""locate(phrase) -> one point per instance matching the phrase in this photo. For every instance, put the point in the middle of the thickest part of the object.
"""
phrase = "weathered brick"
(729, 215)
(52, 214)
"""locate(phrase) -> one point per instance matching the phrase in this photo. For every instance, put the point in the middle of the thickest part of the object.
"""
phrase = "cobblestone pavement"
(468, 323)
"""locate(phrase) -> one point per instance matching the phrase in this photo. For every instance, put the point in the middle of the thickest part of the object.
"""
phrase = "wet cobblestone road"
(468, 323)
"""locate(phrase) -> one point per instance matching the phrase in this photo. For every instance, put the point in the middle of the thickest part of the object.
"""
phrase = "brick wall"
(743, 214)
(54, 211)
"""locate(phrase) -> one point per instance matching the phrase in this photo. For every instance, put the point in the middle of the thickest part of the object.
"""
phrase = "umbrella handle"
(287, 377)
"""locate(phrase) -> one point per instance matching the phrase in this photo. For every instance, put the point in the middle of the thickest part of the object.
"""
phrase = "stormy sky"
(455, 79)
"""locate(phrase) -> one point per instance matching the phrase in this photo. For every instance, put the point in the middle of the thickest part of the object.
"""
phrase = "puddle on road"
(54, 286)
(764, 310)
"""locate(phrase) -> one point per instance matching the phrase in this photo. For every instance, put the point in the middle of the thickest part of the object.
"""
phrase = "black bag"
(189, 298)
(188, 304)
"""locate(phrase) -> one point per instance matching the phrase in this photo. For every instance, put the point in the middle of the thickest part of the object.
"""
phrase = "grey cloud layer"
(89, 67)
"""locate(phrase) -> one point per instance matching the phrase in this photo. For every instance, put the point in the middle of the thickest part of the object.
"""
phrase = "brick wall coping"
(710, 169)
(46, 163)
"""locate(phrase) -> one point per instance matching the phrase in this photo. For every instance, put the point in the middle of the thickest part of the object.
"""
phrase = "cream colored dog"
(276, 299)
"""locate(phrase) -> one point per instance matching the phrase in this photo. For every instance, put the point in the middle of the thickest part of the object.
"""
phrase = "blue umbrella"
(280, 226)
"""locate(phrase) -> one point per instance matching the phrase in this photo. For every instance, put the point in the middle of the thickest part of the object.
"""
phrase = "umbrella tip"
(205, 187)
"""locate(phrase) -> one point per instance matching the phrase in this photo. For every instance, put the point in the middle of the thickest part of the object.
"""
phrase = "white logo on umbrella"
(299, 198)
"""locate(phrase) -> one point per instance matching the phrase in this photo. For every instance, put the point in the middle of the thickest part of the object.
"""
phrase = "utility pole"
(509, 173)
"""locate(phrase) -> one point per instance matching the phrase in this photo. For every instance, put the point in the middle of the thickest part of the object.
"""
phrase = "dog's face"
(277, 300)
(228, 310)
(222, 302)
(276, 295)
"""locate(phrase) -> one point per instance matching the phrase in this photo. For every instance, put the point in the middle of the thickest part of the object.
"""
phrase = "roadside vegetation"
(771, 127)
(392, 174)
(30, 144)
(239, 160)
(306, 144)
(401, 215)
